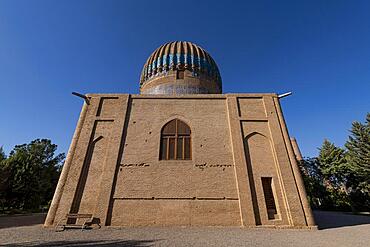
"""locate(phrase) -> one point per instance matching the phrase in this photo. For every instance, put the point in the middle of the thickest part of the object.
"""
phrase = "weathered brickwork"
(113, 169)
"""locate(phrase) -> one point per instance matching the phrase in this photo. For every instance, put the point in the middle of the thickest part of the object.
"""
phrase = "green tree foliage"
(3, 178)
(340, 178)
(358, 157)
(321, 194)
(2, 154)
(31, 173)
(312, 178)
(333, 164)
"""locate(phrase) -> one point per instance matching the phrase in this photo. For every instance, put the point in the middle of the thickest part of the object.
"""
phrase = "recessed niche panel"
(252, 108)
(108, 107)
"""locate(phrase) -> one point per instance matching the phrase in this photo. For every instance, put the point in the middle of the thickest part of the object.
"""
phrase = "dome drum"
(180, 82)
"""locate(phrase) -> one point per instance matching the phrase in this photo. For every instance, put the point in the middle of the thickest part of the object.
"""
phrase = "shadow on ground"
(100, 243)
(21, 220)
(327, 219)
(324, 220)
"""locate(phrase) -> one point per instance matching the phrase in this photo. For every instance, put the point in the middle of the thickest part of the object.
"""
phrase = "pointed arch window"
(175, 141)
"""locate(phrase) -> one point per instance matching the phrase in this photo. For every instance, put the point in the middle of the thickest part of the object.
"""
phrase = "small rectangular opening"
(180, 74)
(269, 198)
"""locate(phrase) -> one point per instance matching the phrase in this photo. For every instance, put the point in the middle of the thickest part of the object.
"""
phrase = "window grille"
(175, 141)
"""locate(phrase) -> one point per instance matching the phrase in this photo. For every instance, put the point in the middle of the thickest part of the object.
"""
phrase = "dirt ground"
(336, 229)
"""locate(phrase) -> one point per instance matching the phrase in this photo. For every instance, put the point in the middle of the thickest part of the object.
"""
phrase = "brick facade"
(113, 168)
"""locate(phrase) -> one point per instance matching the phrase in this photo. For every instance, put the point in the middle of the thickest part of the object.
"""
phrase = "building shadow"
(84, 243)
(21, 220)
(330, 219)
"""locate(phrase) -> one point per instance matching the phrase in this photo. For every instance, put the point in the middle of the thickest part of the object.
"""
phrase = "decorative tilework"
(185, 55)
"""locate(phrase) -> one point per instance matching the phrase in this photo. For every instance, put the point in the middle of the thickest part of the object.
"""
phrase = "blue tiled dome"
(184, 56)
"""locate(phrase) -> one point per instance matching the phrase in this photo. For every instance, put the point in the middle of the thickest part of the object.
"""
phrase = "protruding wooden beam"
(82, 96)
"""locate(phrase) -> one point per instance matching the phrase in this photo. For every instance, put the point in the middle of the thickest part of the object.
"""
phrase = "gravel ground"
(337, 229)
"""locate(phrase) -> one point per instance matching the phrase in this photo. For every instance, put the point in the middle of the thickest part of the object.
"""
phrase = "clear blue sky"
(320, 50)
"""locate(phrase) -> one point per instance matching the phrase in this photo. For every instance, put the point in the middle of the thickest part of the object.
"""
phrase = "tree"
(2, 154)
(333, 165)
(358, 156)
(312, 178)
(4, 174)
(33, 173)
(325, 178)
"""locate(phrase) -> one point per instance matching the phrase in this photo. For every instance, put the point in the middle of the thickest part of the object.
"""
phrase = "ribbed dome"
(159, 72)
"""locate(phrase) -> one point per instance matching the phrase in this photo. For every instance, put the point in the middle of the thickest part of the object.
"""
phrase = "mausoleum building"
(181, 153)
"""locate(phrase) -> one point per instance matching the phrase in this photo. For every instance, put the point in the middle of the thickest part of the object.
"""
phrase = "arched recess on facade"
(259, 140)
(254, 133)
(175, 143)
(251, 178)
(262, 170)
